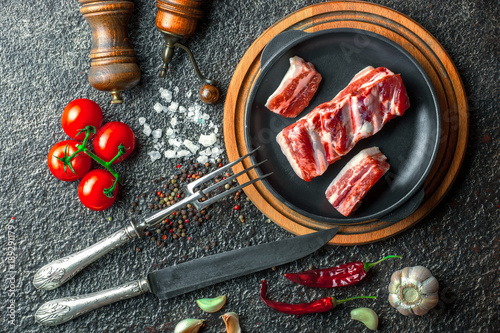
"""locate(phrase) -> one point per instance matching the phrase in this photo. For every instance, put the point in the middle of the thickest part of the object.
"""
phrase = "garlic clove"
(394, 300)
(395, 281)
(211, 305)
(419, 273)
(430, 286)
(232, 321)
(405, 273)
(427, 303)
(405, 311)
(367, 316)
(188, 325)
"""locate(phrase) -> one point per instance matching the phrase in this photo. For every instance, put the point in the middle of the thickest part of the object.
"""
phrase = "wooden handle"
(113, 65)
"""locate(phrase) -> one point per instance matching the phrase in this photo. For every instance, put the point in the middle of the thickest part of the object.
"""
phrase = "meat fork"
(60, 271)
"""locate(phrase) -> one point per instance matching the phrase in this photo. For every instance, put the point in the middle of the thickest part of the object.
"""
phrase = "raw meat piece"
(372, 98)
(355, 179)
(295, 90)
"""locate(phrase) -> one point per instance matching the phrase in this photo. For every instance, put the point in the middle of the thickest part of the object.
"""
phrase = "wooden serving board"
(414, 39)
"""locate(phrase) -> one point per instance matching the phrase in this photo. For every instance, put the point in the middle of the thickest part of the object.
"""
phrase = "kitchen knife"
(185, 277)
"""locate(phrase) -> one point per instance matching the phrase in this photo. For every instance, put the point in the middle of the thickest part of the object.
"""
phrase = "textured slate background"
(44, 48)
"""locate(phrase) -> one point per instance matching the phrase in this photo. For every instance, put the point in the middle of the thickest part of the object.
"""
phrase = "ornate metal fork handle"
(62, 310)
(58, 272)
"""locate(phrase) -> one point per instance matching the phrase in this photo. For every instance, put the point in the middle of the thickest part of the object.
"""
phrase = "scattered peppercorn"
(181, 223)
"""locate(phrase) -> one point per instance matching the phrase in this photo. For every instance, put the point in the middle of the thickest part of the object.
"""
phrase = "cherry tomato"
(80, 163)
(91, 189)
(78, 114)
(108, 139)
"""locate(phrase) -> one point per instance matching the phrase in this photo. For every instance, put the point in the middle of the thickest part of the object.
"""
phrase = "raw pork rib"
(372, 98)
(355, 179)
(295, 90)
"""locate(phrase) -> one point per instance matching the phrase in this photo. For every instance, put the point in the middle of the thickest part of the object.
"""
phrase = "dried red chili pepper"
(321, 305)
(338, 276)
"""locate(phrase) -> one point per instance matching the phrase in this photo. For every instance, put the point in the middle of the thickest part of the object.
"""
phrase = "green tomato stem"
(82, 148)
(109, 192)
(121, 151)
(105, 164)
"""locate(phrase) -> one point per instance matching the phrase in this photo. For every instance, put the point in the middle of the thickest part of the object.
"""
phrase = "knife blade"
(189, 276)
(195, 274)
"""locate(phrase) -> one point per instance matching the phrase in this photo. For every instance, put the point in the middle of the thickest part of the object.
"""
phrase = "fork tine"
(230, 179)
(218, 171)
(234, 189)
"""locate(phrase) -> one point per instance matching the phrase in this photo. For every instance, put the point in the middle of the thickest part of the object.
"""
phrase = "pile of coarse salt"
(176, 142)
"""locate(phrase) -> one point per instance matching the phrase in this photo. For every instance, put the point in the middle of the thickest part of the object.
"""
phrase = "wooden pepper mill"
(113, 66)
(177, 19)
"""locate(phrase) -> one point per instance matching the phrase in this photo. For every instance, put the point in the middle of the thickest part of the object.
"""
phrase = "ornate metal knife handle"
(58, 272)
(62, 310)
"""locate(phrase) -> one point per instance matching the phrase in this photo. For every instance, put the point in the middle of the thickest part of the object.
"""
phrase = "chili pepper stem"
(367, 266)
(340, 301)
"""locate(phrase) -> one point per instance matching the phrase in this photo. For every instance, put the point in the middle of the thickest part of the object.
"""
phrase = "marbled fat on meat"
(356, 179)
(372, 98)
(296, 89)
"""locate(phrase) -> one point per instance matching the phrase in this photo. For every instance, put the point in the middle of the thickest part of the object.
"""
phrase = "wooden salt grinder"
(113, 66)
(177, 19)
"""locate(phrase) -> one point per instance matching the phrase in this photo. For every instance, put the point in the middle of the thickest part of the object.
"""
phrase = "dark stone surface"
(44, 49)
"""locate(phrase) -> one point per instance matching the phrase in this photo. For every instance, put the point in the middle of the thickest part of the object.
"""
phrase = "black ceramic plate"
(410, 142)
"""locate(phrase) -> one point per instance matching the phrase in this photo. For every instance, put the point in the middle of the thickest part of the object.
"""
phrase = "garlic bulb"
(413, 290)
